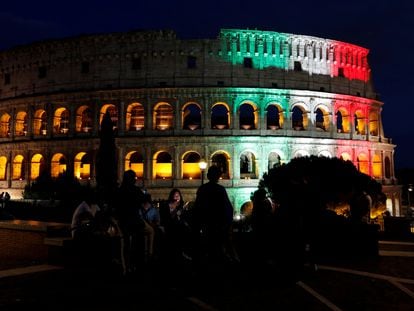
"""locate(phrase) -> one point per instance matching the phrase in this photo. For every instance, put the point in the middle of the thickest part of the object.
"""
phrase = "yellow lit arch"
(135, 161)
(18, 172)
(5, 125)
(190, 168)
(58, 165)
(36, 166)
(61, 121)
(162, 165)
(376, 166)
(163, 116)
(84, 120)
(82, 166)
(135, 117)
(20, 128)
(3, 167)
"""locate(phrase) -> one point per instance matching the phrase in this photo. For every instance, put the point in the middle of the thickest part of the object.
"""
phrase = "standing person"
(151, 217)
(82, 225)
(213, 214)
(175, 225)
(128, 202)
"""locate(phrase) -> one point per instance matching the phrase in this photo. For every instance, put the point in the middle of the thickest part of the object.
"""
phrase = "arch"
(135, 117)
(5, 125)
(37, 166)
(191, 170)
(84, 120)
(299, 118)
(40, 122)
(342, 120)
(220, 116)
(322, 120)
(113, 112)
(58, 165)
(191, 116)
(222, 160)
(20, 128)
(387, 167)
(362, 163)
(61, 121)
(248, 116)
(82, 166)
(345, 156)
(17, 168)
(273, 160)
(274, 117)
(373, 123)
(3, 168)
(376, 166)
(162, 165)
(248, 165)
(135, 161)
(325, 153)
(359, 122)
(163, 116)
(301, 153)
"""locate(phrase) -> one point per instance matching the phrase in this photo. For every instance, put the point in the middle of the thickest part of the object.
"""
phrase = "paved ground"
(383, 283)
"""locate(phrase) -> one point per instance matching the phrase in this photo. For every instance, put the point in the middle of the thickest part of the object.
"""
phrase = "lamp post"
(410, 189)
(202, 165)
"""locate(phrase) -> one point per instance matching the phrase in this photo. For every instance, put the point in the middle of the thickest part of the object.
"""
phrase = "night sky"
(384, 27)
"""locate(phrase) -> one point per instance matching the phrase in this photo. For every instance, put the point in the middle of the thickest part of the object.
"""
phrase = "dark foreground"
(386, 284)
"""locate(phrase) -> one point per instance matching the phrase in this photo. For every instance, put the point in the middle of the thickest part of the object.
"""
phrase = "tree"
(106, 160)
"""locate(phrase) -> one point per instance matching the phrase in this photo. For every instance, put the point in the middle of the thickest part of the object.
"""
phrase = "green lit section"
(254, 48)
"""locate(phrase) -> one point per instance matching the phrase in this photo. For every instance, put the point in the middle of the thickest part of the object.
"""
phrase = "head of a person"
(175, 196)
(213, 173)
(146, 201)
(129, 178)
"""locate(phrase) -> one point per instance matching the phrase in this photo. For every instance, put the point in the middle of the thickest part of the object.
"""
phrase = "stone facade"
(245, 101)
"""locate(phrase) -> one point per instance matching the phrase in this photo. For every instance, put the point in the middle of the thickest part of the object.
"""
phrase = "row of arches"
(163, 117)
(162, 166)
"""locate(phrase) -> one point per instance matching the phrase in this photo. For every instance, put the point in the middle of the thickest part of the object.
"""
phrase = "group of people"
(169, 231)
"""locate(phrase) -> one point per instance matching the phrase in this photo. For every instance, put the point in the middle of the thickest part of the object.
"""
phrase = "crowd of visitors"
(171, 231)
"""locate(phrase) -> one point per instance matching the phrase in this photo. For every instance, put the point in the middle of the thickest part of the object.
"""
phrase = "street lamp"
(410, 189)
(202, 165)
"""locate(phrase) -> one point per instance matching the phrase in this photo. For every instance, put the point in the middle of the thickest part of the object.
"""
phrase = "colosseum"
(245, 101)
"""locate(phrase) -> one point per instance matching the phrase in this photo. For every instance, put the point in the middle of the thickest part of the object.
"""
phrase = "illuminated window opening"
(61, 121)
(21, 124)
(220, 117)
(58, 165)
(113, 112)
(247, 117)
(376, 166)
(3, 168)
(135, 161)
(82, 166)
(373, 123)
(40, 122)
(135, 117)
(359, 123)
(222, 161)
(298, 119)
(37, 166)
(163, 117)
(84, 119)
(247, 165)
(5, 125)
(274, 117)
(273, 160)
(191, 168)
(191, 117)
(163, 166)
(17, 171)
